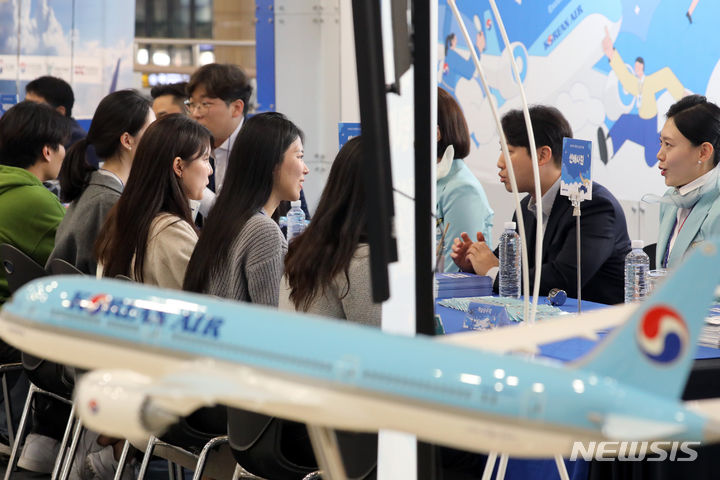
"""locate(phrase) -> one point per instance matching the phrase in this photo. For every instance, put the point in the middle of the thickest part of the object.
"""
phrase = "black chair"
(58, 266)
(280, 449)
(47, 378)
(19, 268)
(650, 250)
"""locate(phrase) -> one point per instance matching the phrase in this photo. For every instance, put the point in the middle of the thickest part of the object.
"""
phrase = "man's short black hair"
(549, 128)
(177, 90)
(224, 81)
(28, 127)
(56, 91)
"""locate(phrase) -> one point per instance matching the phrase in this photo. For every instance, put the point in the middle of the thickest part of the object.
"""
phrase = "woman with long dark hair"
(240, 251)
(327, 268)
(117, 126)
(149, 235)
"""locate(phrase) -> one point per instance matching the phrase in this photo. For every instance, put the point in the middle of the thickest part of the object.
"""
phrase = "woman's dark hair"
(698, 120)
(28, 127)
(151, 189)
(257, 153)
(327, 246)
(119, 112)
(452, 125)
(549, 127)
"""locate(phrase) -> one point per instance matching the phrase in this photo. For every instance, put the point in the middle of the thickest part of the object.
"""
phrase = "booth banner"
(88, 43)
(613, 68)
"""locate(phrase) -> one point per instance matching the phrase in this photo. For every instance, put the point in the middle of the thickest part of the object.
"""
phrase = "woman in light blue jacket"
(689, 211)
(462, 205)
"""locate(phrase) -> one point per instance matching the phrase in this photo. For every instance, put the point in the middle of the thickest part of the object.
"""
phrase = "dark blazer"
(604, 243)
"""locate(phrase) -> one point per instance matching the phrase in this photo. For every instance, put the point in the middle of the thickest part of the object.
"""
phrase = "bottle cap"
(556, 297)
(509, 225)
(295, 203)
(638, 244)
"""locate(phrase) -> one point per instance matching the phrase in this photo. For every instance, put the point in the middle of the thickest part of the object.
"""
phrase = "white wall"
(307, 80)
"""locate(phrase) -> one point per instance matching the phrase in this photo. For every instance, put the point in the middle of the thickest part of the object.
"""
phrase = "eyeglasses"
(201, 107)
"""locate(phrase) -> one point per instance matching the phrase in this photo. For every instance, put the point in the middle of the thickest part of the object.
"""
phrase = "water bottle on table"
(509, 262)
(295, 220)
(637, 268)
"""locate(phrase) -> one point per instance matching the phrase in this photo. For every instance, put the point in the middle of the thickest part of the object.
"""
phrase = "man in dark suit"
(604, 241)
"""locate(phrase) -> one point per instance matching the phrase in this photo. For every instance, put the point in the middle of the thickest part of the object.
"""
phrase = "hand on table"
(460, 249)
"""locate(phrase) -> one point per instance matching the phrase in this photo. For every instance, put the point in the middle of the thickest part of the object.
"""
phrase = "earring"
(699, 162)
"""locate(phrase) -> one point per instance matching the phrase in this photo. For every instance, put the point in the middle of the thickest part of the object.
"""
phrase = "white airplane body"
(161, 354)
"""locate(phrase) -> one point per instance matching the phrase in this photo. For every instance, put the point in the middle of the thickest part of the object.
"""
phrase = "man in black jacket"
(604, 238)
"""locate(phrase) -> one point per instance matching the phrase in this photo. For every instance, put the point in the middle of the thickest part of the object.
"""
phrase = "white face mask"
(689, 199)
(445, 164)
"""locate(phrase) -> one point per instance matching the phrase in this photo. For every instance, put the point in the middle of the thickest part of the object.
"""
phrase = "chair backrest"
(280, 449)
(19, 268)
(651, 251)
(58, 266)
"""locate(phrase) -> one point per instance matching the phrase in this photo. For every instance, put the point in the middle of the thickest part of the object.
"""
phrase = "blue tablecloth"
(565, 350)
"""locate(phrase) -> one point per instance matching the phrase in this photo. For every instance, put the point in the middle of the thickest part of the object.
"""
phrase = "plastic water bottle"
(295, 220)
(509, 262)
(637, 268)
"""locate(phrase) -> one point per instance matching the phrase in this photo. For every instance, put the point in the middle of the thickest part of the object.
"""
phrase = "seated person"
(149, 235)
(32, 136)
(169, 99)
(604, 237)
(57, 93)
(689, 211)
(327, 267)
(240, 252)
(461, 201)
(117, 126)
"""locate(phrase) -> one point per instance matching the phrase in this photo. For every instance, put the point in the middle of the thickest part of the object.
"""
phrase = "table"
(703, 382)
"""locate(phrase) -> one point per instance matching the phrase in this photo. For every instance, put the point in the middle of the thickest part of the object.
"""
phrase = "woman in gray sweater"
(117, 126)
(327, 268)
(241, 249)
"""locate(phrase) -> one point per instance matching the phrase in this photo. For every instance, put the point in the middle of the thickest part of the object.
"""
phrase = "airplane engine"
(115, 402)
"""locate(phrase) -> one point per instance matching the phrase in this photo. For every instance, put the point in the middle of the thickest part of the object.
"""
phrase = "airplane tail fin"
(654, 349)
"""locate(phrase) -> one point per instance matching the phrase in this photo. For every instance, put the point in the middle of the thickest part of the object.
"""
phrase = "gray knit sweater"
(254, 264)
(76, 235)
(351, 301)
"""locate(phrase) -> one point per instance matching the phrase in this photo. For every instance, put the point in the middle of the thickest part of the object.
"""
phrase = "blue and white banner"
(612, 67)
(90, 46)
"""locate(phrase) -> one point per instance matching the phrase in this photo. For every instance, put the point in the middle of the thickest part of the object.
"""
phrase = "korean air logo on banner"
(662, 335)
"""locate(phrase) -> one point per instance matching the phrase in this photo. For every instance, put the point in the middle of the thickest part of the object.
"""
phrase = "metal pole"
(576, 214)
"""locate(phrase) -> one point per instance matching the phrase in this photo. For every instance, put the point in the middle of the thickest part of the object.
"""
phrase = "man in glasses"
(219, 96)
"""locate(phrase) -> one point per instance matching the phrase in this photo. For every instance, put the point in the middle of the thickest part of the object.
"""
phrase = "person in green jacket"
(31, 151)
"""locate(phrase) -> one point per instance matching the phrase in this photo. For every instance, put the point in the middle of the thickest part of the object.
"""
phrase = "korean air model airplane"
(160, 354)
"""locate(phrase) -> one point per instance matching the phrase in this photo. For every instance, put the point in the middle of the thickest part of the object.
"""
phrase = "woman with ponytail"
(116, 128)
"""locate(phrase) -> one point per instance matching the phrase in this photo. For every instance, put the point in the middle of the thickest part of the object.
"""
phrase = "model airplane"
(162, 354)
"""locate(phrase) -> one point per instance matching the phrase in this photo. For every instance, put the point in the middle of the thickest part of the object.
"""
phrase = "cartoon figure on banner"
(640, 127)
(456, 66)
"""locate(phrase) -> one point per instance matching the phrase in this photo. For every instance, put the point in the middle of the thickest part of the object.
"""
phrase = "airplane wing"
(525, 338)
(106, 399)
(622, 427)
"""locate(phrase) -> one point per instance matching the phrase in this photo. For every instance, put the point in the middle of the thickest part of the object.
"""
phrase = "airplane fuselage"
(331, 373)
